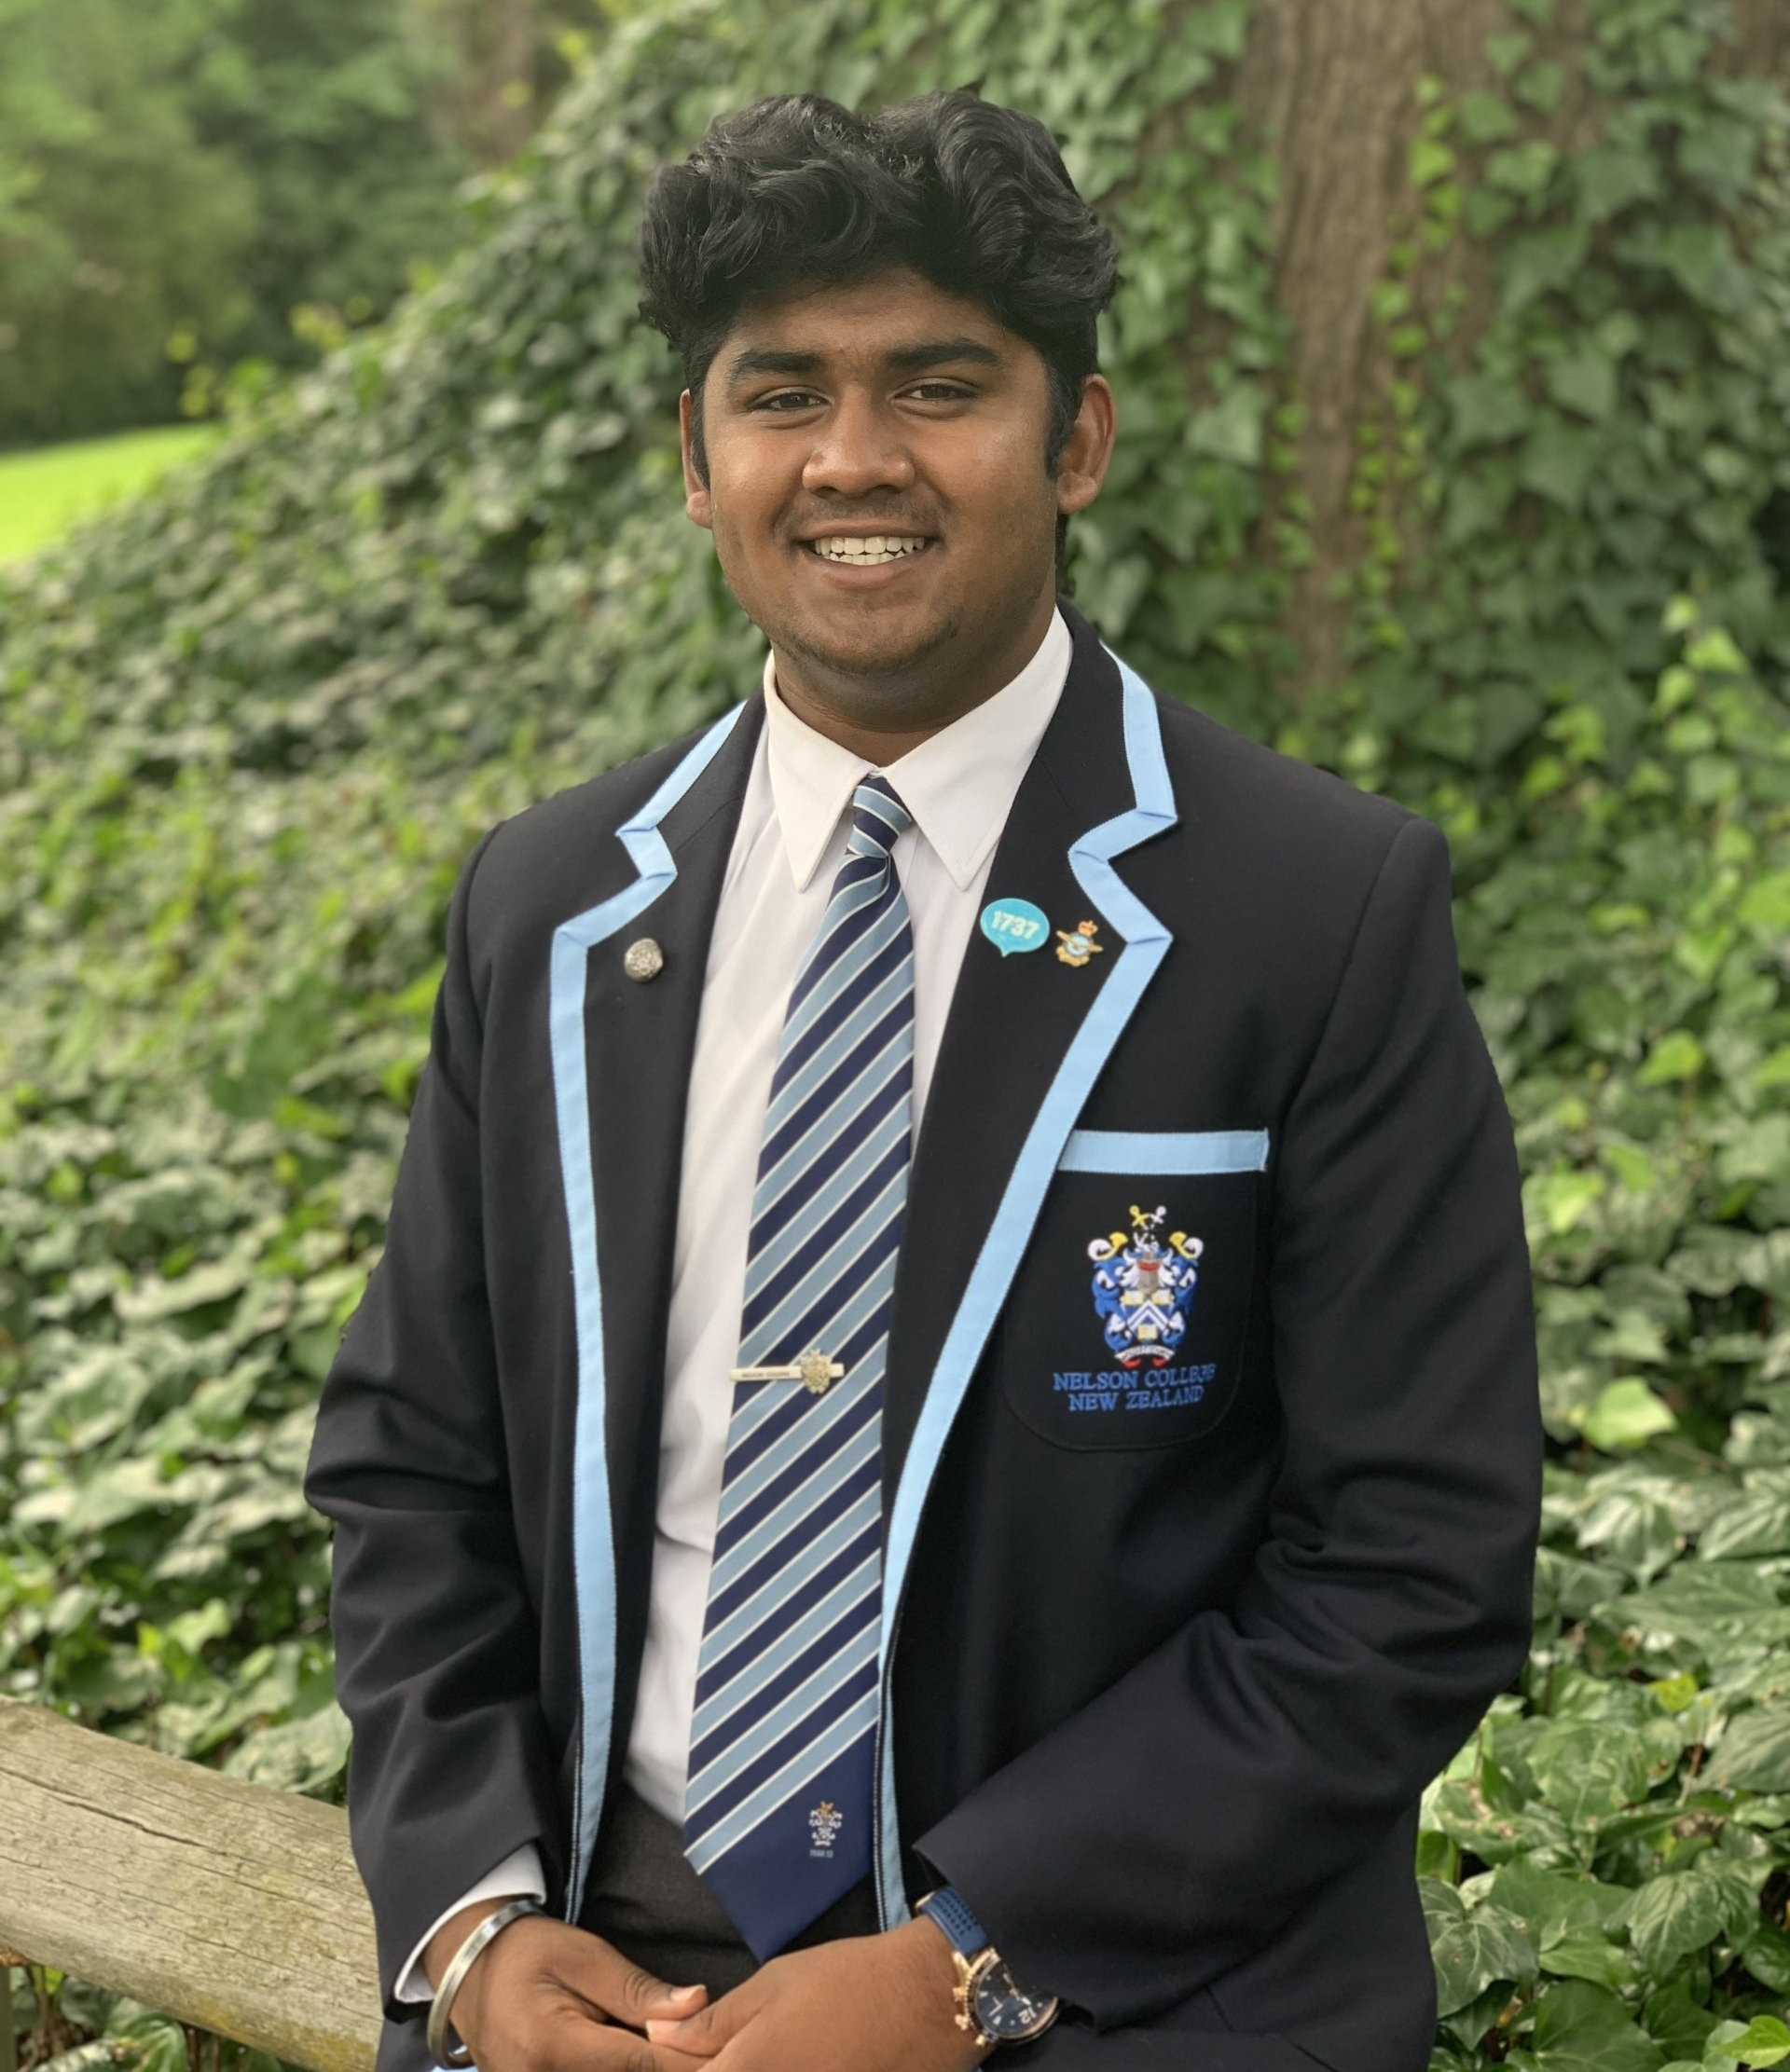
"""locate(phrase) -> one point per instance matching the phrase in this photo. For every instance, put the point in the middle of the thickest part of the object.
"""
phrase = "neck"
(881, 719)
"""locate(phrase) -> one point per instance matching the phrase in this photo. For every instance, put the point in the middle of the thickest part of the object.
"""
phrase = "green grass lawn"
(45, 490)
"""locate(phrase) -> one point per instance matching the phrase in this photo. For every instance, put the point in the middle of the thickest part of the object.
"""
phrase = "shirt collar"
(959, 784)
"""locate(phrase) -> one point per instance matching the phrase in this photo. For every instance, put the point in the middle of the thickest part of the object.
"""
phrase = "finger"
(603, 2048)
(660, 2057)
(704, 2032)
(678, 2038)
(616, 1985)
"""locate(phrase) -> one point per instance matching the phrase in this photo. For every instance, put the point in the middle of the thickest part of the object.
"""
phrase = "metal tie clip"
(813, 1370)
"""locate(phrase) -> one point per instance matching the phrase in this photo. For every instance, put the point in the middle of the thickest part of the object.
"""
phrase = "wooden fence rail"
(219, 1902)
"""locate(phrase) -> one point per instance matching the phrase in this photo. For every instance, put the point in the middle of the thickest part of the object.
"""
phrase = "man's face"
(885, 410)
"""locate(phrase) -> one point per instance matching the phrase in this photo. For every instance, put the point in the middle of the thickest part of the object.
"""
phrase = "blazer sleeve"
(436, 1660)
(1389, 1600)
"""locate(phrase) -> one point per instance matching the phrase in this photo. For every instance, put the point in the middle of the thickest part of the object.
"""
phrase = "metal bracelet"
(442, 2005)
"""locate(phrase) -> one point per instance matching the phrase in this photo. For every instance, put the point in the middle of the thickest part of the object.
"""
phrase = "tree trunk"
(511, 30)
(486, 102)
(1336, 87)
(1762, 38)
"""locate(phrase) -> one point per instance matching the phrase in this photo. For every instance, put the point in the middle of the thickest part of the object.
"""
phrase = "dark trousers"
(644, 1897)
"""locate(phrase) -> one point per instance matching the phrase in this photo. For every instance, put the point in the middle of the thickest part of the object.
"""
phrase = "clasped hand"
(546, 1998)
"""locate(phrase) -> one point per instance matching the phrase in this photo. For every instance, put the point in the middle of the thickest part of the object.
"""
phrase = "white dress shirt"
(959, 785)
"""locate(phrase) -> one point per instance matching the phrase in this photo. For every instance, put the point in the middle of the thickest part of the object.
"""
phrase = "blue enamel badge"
(1013, 925)
(1144, 1287)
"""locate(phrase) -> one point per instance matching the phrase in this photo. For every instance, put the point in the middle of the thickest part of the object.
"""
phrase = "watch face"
(1006, 2010)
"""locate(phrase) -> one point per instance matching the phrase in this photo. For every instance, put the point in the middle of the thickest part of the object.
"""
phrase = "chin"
(867, 648)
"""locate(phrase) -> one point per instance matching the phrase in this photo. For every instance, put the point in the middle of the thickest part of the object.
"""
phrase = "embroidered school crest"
(824, 1823)
(1144, 1287)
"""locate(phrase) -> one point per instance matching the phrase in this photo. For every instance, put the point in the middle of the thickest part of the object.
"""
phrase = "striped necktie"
(777, 1808)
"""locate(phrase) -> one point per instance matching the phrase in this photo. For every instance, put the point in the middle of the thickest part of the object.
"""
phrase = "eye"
(941, 392)
(796, 399)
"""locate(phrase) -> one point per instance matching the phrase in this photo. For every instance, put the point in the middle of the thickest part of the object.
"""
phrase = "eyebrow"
(902, 359)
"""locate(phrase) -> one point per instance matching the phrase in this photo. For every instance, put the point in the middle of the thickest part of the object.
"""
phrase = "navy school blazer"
(1186, 1598)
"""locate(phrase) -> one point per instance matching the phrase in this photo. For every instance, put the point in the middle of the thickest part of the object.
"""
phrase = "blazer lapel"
(1010, 1026)
(640, 1038)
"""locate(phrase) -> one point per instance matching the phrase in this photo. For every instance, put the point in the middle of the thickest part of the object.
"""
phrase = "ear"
(696, 505)
(1088, 452)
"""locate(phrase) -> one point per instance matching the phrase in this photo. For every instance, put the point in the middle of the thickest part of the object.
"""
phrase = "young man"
(946, 1435)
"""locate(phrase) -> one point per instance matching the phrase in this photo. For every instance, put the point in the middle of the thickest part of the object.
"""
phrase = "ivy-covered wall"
(248, 731)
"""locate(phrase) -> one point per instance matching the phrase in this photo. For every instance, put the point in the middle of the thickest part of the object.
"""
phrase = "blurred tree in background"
(493, 89)
(179, 178)
(117, 223)
(326, 109)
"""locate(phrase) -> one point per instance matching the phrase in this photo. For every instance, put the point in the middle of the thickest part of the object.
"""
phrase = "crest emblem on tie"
(1144, 1286)
(824, 1823)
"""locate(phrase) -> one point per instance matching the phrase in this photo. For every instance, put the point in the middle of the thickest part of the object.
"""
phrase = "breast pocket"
(1125, 1326)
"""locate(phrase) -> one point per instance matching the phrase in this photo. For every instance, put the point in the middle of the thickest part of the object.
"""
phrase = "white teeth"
(867, 553)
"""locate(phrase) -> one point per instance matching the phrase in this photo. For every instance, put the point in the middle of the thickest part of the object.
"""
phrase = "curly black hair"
(797, 190)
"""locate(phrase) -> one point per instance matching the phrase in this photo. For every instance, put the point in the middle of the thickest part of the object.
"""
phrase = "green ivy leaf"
(1581, 2027)
(1507, 50)
(1220, 28)
(1232, 429)
(1584, 381)
(1524, 170)
(1755, 1750)
(1473, 1949)
(1672, 1693)
(1430, 161)
(1766, 903)
(1701, 257)
(1611, 178)
(1484, 118)
(1752, 1525)
(1714, 651)
(1559, 1201)
(1589, 1769)
(1555, 1905)
(124, 1489)
(1677, 1056)
(1720, 1610)
(305, 1754)
(1587, 1956)
(1765, 1951)
(1558, 463)
(1765, 2042)
(155, 2043)
(1722, 152)
(1676, 2021)
(1541, 84)
(1485, 412)
(1538, 262)
(1627, 1414)
(1674, 1918)
(1632, 1527)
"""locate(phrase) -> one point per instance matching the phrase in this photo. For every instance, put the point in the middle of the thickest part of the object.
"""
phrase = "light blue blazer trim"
(1146, 941)
(1142, 1151)
(592, 1528)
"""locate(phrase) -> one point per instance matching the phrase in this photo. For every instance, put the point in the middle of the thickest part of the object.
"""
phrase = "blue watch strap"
(951, 1911)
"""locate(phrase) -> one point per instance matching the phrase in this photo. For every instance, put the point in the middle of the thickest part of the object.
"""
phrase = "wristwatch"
(990, 2002)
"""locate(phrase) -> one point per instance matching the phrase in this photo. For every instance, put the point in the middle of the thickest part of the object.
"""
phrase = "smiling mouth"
(867, 553)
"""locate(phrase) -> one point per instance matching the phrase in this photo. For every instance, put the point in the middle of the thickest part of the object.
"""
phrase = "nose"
(857, 449)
